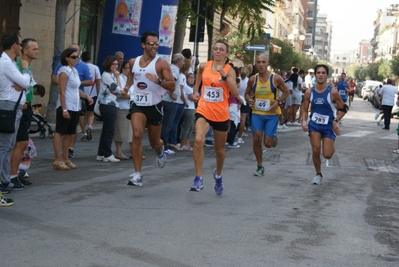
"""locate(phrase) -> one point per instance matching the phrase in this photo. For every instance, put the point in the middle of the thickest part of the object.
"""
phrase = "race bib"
(142, 98)
(320, 119)
(262, 104)
(213, 94)
(342, 92)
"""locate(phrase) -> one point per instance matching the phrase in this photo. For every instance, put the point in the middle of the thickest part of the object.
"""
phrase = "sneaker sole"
(195, 189)
(134, 184)
(258, 175)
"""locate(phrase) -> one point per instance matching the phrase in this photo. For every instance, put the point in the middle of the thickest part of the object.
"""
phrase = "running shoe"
(5, 202)
(317, 179)
(218, 184)
(136, 180)
(288, 123)
(161, 160)
(376, 115)
(169, 152)
(84, 138)
(275, 143)
(3, 189)
(240, 141)
(295, 123)
(260, 171)
(89, 133)
(71, 152)
(197, 185)
(12, 187)
(233, 145)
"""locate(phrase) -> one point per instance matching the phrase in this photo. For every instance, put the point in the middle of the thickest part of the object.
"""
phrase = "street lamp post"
(295, 38)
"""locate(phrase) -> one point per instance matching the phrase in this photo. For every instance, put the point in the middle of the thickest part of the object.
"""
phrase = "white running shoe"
(169, 152)
(288, 123)
(295, 123)
(240, 141)
(137, 179)
(111, 159)
(280, 127)
(376, 115)
(161, 160)
(317, 179)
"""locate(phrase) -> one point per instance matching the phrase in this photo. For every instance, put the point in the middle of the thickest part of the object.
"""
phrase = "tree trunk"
(210, 12)
(181, 25)
(61, 8)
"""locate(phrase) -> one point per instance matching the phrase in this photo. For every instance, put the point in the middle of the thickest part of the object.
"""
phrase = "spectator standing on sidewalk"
(388, 93)
(322, 127)
(217, 79)
(67, 108)
(151, 77)
(262, 95)
(91, 91)
(123, 129)
(13, 88)
(30, 52)
(85, 80)
(111, 90)
(170, 105)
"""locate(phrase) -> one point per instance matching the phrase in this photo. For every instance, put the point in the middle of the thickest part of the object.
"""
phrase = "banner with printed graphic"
(167, 26)
(127, 17)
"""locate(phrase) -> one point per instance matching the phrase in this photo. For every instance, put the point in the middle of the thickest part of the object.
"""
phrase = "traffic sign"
(255, 47)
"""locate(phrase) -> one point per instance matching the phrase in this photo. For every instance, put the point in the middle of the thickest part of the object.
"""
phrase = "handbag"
(7, 118)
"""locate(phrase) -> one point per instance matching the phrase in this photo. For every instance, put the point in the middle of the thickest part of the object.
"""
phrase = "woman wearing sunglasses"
(67, 108)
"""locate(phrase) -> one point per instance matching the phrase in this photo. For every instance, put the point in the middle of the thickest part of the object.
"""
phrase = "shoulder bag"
(7, 118)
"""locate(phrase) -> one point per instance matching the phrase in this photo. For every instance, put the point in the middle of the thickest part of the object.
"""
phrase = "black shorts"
(153, 113)
(91, 107)
(24, 124)
(64, 126)
(222, 126)
(245, 108)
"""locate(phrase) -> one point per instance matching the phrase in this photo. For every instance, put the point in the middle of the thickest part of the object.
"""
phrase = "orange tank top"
(214, 101)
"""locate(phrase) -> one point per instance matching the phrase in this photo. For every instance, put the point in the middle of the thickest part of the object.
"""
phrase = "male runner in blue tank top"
(322, 127)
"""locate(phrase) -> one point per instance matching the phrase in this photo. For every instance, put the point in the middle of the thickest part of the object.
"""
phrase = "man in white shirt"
(388, 93)
(308, 78)
(12, 83)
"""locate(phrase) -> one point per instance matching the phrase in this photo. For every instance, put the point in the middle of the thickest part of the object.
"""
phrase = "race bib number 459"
(213, 94)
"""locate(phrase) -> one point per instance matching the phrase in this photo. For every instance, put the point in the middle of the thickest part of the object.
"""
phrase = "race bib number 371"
(143, 99)
(213, 94)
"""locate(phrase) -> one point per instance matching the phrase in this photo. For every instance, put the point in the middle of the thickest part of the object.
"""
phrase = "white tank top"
(146, 92)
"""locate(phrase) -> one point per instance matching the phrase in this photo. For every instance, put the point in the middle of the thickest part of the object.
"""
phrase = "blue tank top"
(342, 89)
(322, 112)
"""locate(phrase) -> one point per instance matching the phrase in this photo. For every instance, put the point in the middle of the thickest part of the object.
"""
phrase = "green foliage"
(395, 66)
(384, 69)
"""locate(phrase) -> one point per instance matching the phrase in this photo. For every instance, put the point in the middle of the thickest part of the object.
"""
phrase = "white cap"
(310, 70)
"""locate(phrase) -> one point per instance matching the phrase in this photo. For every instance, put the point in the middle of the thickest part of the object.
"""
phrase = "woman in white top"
(67, 108)
(123, 129)
(189, 113)
(110, 93)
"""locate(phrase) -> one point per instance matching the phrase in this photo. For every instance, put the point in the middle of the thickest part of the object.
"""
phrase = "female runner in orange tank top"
(217, 80)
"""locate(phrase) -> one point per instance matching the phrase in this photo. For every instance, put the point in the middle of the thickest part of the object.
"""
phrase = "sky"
(352, 21)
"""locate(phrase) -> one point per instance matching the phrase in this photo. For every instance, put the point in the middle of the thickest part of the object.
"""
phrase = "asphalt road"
(90, 217)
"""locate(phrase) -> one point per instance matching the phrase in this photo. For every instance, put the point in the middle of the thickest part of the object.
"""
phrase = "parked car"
(359, 87)
(373, 96)
(367, 86)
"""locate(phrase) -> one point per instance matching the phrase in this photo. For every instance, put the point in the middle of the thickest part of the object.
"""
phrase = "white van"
(367, 86)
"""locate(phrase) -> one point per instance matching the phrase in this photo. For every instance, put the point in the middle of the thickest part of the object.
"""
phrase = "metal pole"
(195, 52)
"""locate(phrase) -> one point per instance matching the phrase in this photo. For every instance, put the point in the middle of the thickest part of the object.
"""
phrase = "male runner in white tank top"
(151, 77)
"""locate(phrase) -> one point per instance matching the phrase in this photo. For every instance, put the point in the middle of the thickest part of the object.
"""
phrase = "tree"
(61, 8)
(249, 13)
(395, 66)
(183, 13)
(384, 70)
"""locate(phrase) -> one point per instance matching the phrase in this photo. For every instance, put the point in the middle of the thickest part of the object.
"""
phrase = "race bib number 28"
(320, 119)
